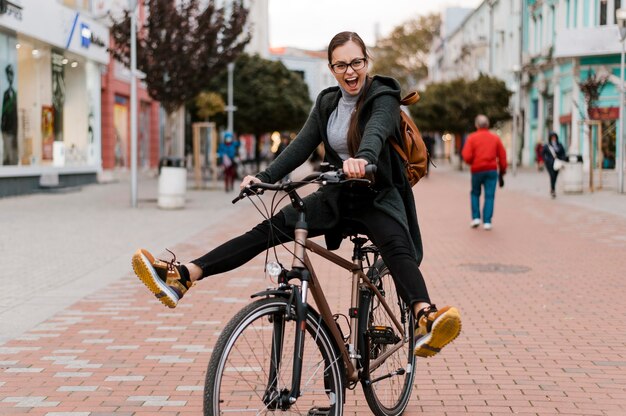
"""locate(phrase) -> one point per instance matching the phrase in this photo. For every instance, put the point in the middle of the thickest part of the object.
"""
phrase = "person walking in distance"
(353, 121)
(484, 152)
(553, 151)
(539, 155)
(227, 151)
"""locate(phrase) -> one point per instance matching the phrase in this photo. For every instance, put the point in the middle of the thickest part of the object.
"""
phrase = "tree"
(180, 48)
(452, 106)
(592, 89)
(207, 104)
(403, 54)
(268, 96)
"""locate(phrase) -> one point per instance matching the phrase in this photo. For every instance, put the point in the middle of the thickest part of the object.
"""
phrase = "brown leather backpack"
(411, 148)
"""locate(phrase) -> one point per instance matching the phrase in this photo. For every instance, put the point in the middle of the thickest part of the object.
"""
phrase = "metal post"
(620, 15)
(491, 36)
(133, 103)
(230, 107)
(620, 138)
(515, 120)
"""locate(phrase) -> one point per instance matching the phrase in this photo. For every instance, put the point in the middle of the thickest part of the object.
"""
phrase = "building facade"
(116, 146)
(51, 94)
(311, 65)
(561, 59)
(486, 40)
(572, 48)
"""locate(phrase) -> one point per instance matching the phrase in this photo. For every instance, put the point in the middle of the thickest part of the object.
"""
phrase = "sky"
(310, 24)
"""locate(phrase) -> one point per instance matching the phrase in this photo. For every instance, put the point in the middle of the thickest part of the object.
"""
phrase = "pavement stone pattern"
(541, 297)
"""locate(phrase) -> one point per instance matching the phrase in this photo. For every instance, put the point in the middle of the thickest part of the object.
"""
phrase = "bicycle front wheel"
(387, 351)
(250, 371)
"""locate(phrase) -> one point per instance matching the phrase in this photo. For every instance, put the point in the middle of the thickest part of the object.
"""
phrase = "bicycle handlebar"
(334, 177)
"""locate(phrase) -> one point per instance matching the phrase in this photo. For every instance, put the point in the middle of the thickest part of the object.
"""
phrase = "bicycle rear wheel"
(252, 363)
(389, 386)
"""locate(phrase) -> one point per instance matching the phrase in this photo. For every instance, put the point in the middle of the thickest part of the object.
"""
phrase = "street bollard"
(573, 175)
(172, 183)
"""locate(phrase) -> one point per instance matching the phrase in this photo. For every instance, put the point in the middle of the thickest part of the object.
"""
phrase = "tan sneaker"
(436, 329)
(163, 278)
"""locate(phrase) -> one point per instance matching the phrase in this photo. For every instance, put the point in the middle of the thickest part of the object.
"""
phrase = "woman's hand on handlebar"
(249, 179)
(354, 168)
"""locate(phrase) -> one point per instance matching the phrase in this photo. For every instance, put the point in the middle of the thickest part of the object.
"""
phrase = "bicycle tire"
(389, 396)
(242, 350)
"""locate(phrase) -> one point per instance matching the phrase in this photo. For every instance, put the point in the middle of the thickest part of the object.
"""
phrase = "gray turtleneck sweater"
(338, 123)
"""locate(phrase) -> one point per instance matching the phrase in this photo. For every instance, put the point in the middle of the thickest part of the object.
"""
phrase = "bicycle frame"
(358, 278)
(310, 282)
(303, 270)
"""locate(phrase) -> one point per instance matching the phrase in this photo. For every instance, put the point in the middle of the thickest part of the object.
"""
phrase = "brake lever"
(332, 176)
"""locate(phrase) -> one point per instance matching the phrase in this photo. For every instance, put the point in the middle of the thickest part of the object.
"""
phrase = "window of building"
(589, 16)
(552, 25)
(534, 108)
(604, 4)
(607, 145)
(78, 4)
(540, 33)
(617, 4)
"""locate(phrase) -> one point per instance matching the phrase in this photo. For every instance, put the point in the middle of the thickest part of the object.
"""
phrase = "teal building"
(570, 76)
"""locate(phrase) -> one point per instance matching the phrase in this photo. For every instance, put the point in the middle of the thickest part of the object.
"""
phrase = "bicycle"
(280, 355)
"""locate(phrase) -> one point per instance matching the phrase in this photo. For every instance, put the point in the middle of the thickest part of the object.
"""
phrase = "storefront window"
(35, 103)
(8, 112)
(57, 101)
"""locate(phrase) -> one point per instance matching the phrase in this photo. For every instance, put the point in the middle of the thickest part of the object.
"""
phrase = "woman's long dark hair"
(354, 133)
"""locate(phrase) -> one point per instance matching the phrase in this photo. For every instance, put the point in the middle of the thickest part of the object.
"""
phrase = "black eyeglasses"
(356, 64)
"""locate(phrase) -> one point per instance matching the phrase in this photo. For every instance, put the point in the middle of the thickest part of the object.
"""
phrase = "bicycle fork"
(273, 398)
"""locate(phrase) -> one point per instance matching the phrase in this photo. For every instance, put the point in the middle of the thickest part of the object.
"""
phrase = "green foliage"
(403, 54)
(452, 106)
(207, 104)
(268, 96)
(181, 48)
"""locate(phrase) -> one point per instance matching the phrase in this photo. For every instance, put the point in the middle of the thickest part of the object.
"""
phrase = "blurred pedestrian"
(484, 152)
(539, 155)
(227, 152)
(316, 158)
(553, 156)
(284, 142)
(429, 141)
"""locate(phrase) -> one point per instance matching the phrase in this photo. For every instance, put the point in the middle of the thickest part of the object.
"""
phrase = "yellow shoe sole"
(445, 330)
(153, 283)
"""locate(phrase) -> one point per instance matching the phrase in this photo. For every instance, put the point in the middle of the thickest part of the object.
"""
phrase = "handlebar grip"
(370, 169)
(239, 197)
(370, 173)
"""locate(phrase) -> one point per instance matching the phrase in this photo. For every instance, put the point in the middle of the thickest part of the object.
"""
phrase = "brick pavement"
(542, 300)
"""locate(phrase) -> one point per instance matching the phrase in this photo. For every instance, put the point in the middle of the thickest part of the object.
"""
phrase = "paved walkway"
(541, 296)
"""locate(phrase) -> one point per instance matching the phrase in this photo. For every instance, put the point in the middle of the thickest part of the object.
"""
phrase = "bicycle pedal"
(319, 411)
(382, 335)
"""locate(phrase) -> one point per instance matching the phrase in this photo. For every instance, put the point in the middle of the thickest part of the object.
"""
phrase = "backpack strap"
(411, 98)
(400, 150)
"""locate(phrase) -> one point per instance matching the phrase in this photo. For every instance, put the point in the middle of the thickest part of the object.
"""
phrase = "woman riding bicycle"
(353, 121)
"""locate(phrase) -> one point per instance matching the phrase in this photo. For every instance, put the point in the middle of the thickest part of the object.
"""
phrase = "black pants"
(385, 232)
(553, 175)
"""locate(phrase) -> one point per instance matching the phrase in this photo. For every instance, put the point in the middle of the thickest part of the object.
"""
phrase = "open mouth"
(352, 82)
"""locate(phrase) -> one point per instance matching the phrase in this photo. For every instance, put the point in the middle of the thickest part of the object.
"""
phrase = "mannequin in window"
(9, 120)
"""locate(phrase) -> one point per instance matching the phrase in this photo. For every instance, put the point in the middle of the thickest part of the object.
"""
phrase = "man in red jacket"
(484, 152)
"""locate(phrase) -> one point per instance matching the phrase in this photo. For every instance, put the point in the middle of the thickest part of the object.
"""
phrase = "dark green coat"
(379, 119)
